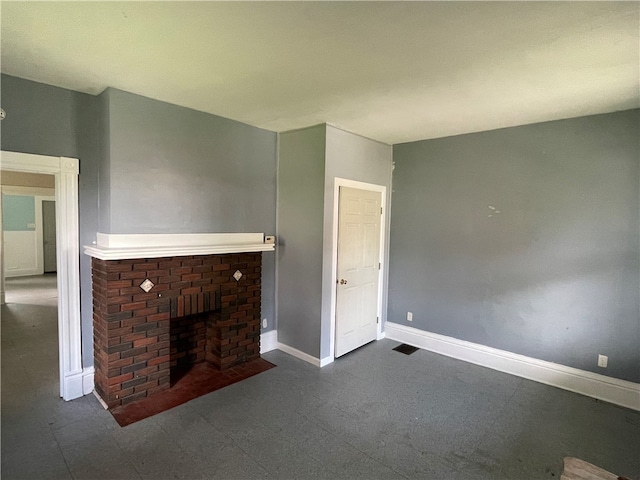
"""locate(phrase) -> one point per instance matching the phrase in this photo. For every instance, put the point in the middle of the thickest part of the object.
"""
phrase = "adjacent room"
(407, 234)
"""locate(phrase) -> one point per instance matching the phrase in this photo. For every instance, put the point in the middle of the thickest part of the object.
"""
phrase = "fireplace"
(157, 315)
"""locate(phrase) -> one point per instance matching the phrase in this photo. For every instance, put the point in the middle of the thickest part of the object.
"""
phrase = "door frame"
(343, 182)
(74, 381)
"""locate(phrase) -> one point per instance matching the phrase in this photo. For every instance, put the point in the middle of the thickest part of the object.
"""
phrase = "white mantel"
(151, 245)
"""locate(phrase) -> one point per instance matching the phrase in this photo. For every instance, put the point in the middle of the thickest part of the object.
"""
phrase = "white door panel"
(359, 223)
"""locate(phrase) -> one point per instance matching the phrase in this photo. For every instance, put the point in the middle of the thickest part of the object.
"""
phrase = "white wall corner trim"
(268, 341)
(608, 389)
(294, 352)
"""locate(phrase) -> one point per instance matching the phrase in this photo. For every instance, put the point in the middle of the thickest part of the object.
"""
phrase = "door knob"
(343, 282)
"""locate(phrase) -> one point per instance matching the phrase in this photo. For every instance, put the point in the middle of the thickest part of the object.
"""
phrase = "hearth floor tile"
(199, 380)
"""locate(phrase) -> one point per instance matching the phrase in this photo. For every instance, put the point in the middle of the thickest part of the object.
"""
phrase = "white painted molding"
(102, 402)
(608, 389)
(68, 258)
(152, 245)
(88, 383)
(326, 361)
(32, 191)
(294, 352)
(268, 341)
(74, 385)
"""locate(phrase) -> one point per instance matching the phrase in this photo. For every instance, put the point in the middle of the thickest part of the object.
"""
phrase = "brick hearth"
(197, 311)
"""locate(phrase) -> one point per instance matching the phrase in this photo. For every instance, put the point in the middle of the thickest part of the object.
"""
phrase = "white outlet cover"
(603, 360)
(264, 323)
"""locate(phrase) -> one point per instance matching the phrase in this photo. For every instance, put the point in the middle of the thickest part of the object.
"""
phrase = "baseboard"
(268, 341)
(22, 272)
(294, 352)
(608, 389)
(326, 361)
(79, 383)
(88, 380)
(102, 402)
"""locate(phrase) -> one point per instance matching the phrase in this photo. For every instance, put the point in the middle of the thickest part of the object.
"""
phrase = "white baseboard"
(22, 272)
(326, 361)
(79, 383)
(608, 389)
(88, 384)
(268, 341)
(102, 402)
(294, 352)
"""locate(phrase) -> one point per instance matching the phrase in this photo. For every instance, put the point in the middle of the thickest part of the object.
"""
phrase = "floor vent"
(406, 349)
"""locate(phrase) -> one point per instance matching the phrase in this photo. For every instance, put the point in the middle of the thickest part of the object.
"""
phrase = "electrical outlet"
(603, 360)
(264, 323)
(410, 316)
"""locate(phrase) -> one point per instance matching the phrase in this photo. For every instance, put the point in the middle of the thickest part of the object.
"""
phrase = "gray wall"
(309, 161)
(357, 158)
(103, 146)
(177, 170)
(41, 119)
(148, 167)
(47, 120)
(301, 170)
(555, 274)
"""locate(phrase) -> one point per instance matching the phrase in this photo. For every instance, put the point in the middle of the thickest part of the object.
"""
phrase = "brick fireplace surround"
(195, 312)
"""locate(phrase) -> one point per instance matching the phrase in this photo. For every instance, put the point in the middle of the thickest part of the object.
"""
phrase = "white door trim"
(65, 170)
(343, 182)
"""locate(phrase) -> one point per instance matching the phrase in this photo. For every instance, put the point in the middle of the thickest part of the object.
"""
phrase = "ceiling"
(391, 71)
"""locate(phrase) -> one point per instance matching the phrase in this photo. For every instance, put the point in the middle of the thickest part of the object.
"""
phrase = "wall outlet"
(410, 316)
(603, 360)
(264, 323)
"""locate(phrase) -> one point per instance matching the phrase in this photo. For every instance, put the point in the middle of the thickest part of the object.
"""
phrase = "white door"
(49, 235)
(359, 218)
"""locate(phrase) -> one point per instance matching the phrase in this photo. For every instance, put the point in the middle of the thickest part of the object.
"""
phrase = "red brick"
(181, 271)
(120, 378)
(158, 360)
(145, 311)
(145, 341)
(158, 317)
(133, 306)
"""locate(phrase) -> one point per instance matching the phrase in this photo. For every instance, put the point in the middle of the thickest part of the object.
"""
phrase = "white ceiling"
(391, 71)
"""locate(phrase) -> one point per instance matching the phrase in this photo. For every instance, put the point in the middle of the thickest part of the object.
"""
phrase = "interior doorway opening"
(30, 319)
(74, 380)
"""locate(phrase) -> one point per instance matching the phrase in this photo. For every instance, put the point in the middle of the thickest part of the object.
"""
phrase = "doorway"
(359, 234)
(49, 236)
(74, 380)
